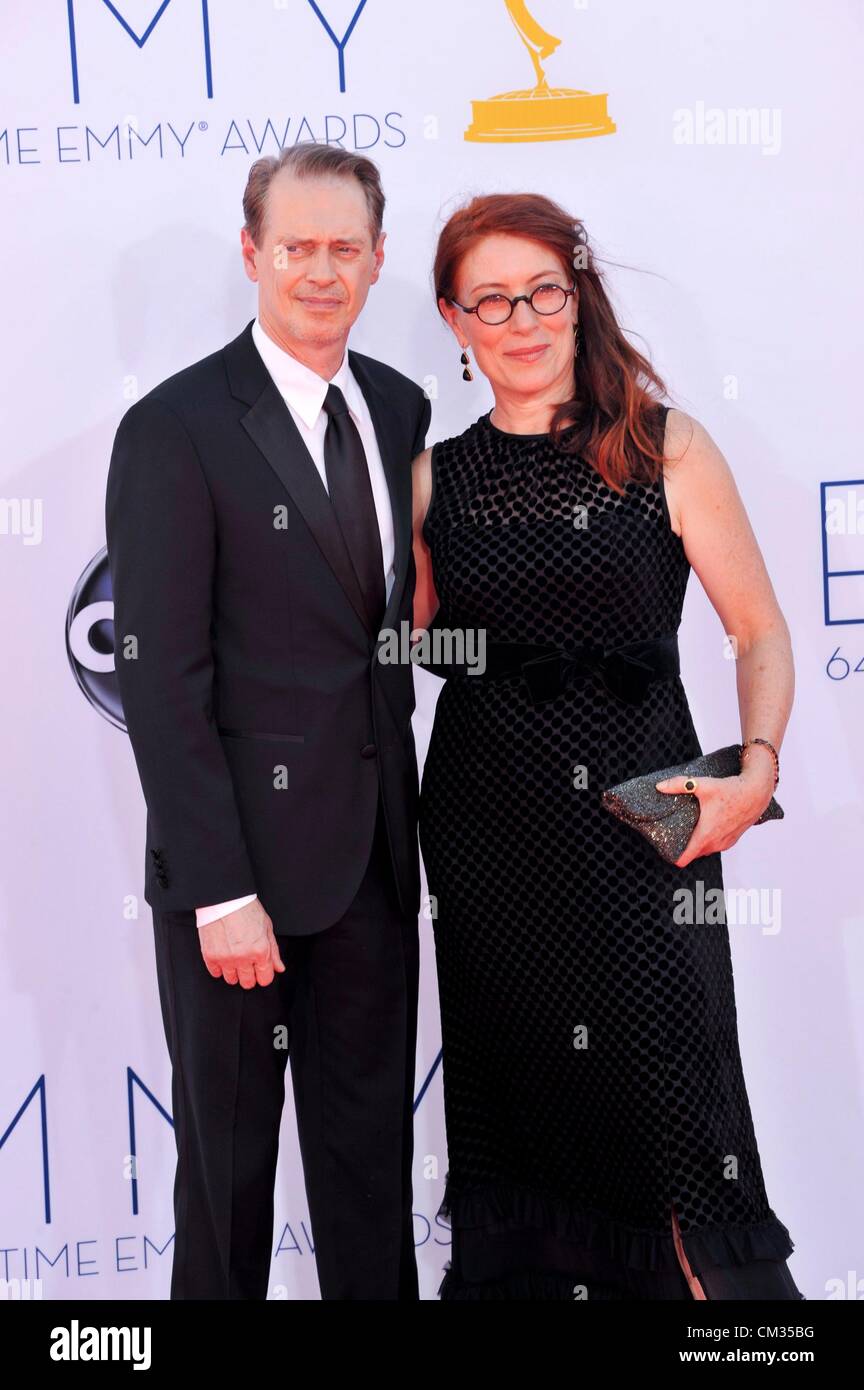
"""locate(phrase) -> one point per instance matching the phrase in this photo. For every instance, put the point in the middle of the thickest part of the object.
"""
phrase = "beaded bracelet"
(772, 750)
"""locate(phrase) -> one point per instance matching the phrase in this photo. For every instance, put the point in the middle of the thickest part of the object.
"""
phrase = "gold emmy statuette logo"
(541, 112)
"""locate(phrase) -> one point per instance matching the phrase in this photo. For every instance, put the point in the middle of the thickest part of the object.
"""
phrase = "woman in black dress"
(600, 1140)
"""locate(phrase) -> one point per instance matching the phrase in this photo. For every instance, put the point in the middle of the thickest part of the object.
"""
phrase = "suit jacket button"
(368, 750)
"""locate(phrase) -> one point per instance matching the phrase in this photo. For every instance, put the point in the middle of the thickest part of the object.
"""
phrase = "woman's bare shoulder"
(692, 462)
(688, 439)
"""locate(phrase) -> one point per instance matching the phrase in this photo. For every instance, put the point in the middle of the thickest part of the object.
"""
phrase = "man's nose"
(322, 267)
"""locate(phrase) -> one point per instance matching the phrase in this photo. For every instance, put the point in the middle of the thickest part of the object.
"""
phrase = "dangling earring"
(467, 375)
(576, 340)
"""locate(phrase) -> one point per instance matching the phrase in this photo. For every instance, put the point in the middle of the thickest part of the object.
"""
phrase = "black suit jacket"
(261, 720)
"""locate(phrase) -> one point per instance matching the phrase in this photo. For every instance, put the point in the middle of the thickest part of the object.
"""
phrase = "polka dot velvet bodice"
(591, 1070)
(532, 545)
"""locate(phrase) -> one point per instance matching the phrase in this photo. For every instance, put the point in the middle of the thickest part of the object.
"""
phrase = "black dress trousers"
(346, 1005)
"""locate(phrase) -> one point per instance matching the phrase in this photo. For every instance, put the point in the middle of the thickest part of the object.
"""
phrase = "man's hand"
(242, 947)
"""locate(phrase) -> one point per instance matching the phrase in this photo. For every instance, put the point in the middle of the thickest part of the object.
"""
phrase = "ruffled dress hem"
(497, 1210)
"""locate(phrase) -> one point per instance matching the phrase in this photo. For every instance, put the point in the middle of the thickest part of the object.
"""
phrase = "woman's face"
(529, 352)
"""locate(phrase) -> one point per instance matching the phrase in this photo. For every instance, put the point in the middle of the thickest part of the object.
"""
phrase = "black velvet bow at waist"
(626, 671)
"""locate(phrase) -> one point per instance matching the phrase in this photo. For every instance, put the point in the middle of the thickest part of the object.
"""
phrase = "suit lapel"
(270, 425)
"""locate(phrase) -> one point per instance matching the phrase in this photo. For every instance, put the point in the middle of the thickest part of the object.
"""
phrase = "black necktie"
(351, 497)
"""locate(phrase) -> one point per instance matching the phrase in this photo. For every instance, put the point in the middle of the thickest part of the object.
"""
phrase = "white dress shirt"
(303, 392)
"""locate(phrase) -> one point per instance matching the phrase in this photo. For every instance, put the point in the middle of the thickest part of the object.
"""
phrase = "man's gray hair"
(308, 160)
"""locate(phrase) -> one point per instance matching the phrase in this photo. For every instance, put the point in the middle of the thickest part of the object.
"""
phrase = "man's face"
(315, 262)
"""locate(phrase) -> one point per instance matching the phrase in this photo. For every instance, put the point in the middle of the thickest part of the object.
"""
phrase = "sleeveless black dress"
(591, 1069)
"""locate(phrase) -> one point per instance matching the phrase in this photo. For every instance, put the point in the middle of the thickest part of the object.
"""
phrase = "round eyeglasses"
(497, 308)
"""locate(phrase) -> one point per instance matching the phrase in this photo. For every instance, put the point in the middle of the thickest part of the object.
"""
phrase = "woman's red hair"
(612, 420)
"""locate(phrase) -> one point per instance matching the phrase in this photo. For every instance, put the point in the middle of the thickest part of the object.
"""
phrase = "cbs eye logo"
(90, 640)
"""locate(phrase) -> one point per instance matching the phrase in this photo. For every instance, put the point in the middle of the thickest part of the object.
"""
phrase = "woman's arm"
(425, 598)
(706, 509)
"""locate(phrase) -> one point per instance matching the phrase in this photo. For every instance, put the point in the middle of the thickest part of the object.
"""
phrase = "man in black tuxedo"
(258, 516)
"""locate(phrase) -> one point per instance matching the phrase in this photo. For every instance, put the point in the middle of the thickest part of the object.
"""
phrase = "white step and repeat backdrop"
(727, 200)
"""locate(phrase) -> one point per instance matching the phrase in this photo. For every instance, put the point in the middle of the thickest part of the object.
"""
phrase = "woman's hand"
(727, 807)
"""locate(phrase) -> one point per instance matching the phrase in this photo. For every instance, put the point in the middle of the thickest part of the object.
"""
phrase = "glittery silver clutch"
(668, 819)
